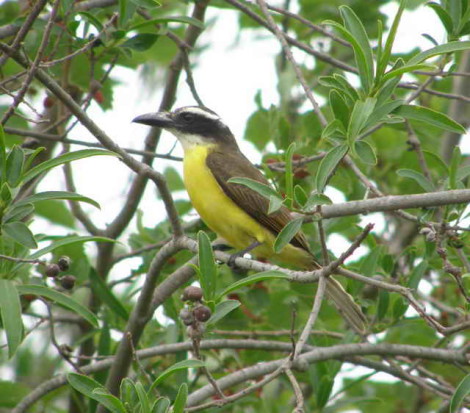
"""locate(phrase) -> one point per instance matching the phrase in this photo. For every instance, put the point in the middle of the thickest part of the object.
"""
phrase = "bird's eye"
(187, 117)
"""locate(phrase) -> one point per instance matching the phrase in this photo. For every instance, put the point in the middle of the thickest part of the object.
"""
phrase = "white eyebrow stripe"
(199, 111)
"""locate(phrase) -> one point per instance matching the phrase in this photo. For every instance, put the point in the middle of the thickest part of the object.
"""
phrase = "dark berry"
(64, 263)
(67, 282)
(202, 313)
(52, 270)
(192, 293)
(186, 316)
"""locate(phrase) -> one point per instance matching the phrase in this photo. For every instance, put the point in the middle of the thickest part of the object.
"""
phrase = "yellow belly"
(224, 217)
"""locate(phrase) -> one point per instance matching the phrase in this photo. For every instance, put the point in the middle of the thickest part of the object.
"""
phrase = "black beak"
(159, 119)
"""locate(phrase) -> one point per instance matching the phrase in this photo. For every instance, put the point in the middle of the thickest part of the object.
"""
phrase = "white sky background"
(227, 76)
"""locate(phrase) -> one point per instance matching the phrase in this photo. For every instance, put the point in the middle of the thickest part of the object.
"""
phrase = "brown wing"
(235, 165)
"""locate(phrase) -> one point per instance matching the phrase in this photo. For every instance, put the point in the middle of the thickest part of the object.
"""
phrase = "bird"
(235, 212)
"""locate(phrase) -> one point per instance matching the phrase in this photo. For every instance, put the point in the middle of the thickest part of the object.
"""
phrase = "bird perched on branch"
(235, 212)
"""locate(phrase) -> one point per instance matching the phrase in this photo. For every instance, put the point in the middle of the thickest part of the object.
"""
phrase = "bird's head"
(192, 125)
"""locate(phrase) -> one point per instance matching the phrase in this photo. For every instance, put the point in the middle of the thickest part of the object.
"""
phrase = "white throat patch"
(188, 140)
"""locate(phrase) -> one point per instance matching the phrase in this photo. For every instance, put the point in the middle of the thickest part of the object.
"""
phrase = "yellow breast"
(222, 215)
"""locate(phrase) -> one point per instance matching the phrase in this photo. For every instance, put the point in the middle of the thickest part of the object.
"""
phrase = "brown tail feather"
(345, 304)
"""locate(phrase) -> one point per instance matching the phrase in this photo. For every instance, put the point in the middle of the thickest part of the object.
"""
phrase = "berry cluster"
(194, 314)
(53, 270)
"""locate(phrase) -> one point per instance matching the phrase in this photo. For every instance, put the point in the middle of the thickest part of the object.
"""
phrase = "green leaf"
(339, 107)
(256, 186)
(406, 69)
(333, 127)
(143, 398)
(222, 309)
(12, 393)
(207, 266)
(252, 279)
(418, 177)
(88, 17)
(354, 25)
(384, 59)
(300, 196)
(182, 365)
(362, 61)
(441, 49)
(20, 233)
(328, 165)
(359, 117)
(317, 199)
(161, 405)
(146, 4)
(10, 310)
(101, 289)
(462, 391)
(94, 390)
(289, 175)
(70, 196)
(365, 152)
(430, 117)
(3, 156)
(443, 15)
(286, 234)
(172, 19)
(62, 159)
(67, 241)
(61, 299)
(17, 213)
(180, 401)
(383, 304)
(275, 203)
(141, 42)
(15, 162)
(417, 274)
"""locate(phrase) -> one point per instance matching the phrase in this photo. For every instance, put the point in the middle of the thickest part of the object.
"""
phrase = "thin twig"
(285, 47)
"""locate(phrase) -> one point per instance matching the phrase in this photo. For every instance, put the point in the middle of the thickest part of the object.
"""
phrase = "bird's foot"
(233, 257)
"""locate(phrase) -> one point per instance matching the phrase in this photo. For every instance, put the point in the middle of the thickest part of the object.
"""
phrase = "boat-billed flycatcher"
(235, 212)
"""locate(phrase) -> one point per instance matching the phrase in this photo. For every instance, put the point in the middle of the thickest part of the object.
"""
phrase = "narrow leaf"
(10, 310)
(94, 390)
(207, 266)
(286, 234)
(20, 233)
(444, 17)
(3, 156)
(101, 289)
(61, 299)
(462, 391)
(222, 309)
(289, 175)
(441, 49)
(143, 398)
(256, 186)
(354, 25)
(171, 19)
(328, 165)
(141, 42)
(44, 196)
(252, 279)
(387, 51)
(418, 177)
(429, 116)
(60, 160)
(365, 152)
(182, 365)
(15, 162)
(359, 117)
(181, 397)
(275, 204)
(161, 405)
